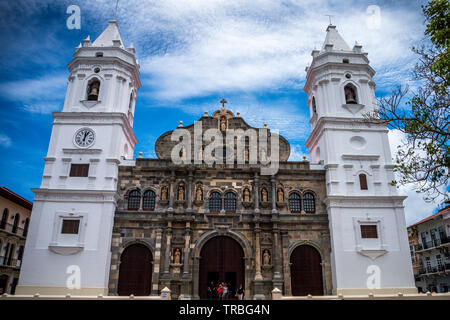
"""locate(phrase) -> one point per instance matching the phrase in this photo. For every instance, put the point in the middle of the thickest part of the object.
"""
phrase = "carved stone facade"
(258, 226)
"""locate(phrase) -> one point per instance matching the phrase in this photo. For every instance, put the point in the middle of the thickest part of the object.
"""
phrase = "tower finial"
(115, 11)
(223, 101)
(329, 16)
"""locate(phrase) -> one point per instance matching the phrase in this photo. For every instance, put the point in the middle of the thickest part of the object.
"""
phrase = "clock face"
(84, 138)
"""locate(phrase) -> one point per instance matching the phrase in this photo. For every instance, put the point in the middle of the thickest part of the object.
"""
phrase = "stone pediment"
(221, 119)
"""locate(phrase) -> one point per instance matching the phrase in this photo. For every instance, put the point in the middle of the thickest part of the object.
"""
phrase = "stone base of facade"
(366, 291)
(47, 290)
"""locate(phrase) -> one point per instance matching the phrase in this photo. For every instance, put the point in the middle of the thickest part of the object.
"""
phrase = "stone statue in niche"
(177, 256)
(164, 193)
(199, 194)
(264, 195)
(266, 257)
(223, 124)
(280, 195)
(180, 193)
(246, 195)
(263, 155)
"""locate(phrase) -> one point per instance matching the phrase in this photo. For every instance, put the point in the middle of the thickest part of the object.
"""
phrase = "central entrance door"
(222, 260)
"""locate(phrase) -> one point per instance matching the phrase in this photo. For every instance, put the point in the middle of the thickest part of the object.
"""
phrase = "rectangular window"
(369, 232)
(79, 170)
(70, 226)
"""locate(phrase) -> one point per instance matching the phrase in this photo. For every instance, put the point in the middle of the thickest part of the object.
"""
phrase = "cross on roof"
(223, 101)
(329, 16)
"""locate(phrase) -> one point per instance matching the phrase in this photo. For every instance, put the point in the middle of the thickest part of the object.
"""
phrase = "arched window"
(25, 227)
(4, 219)
(363, 181)
(148, 200)
(215, 202)
(134, 200)
(308, 203)
(230, 202)
(11, 254)
(350, 94)
(294, 202)
(16, 223)
(93, 89)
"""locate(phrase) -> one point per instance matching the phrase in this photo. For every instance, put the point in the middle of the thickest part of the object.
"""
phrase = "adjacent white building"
(431, 254)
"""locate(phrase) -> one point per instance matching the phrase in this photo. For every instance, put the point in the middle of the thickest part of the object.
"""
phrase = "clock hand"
(85, 135)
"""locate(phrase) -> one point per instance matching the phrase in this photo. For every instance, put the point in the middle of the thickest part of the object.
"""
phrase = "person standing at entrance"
(240, 292)
(211, 290)
(225, 291)
(219, 291)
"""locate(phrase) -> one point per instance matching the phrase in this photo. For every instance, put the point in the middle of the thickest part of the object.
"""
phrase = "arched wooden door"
(221, 260)
(135, 271)
(306, 271)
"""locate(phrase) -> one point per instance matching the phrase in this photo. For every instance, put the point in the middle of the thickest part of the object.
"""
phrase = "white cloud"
(49, 87)
(5, 141)
(296, 153)
(42, 108)
(415, 207)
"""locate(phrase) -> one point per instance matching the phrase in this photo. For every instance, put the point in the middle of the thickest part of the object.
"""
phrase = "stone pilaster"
(189, 191)
(286, 263)
(256, 192)
(166, 273)
(156, 263)
(274, 194)
(171, 191)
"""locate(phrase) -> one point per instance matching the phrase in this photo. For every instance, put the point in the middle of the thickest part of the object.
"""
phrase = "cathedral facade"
(105, 223)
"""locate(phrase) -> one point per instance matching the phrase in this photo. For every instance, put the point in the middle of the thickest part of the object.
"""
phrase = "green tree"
(423, 115)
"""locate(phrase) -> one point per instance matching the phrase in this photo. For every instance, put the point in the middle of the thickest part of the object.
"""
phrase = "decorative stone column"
(189, 191)
(187, 243)
(171, 191)
(276, 256)
(157, 263)
(166, 273)
(195, 278)
(286, 263)
(186, 277)
(258, 274)
(256, 192)
(258, 282)
(274, 194)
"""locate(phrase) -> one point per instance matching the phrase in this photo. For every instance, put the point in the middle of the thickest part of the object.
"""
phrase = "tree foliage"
(423, 115)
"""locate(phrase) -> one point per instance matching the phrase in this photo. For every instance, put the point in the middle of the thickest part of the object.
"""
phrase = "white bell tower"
(370, 250)
(69, 240)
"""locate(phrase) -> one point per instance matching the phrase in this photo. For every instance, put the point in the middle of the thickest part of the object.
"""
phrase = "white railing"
(165, 295)
(277, 295)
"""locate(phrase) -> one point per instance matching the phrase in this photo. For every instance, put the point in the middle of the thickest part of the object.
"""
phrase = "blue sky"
(192, 54)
